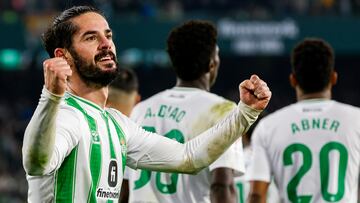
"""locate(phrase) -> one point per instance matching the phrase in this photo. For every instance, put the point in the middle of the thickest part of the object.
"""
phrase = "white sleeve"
(50, 136)
(259, 167)
(154, 152)
(232, 158)
(127, 173)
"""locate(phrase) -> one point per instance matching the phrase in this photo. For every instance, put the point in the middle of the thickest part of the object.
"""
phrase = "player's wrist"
(51, 96)
(248, 111)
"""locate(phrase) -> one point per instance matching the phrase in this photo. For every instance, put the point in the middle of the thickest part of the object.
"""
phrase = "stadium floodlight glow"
(10, 59)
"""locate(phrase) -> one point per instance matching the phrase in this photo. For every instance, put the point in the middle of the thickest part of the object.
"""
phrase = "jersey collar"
(187, 89)
(85, 101)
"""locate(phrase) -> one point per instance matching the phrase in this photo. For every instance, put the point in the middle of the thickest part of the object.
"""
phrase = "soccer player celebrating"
(75, 149)
(312, 147)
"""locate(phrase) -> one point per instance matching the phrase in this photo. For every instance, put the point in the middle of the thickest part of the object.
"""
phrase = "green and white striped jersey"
(75, 151)
(90, 154)
(181, 114)
(92, 161)
(312, 149)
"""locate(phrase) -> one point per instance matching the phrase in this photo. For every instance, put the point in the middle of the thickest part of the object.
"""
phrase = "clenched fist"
(255, 93)
(56, 72)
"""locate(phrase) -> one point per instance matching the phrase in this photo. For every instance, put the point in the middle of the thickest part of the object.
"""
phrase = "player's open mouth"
(106, 58)
(107, 64)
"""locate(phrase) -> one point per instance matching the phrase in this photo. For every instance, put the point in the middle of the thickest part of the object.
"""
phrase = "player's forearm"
(124, 192)
(222, 187)
(258, 191)
(222, 193)
(39, 138)
(207, 147)
(256, 198)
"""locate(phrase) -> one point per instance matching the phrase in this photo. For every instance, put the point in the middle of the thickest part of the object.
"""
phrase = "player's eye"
(109, 36)
(90, 38)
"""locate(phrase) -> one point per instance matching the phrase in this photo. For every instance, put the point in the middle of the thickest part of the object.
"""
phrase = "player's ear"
(334, 77)
(138, 98)
(60, 52)
(292, 80)
(211, 65)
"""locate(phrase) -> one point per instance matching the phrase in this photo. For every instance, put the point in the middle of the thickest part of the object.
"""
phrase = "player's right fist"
(56, 72)
(255, 93)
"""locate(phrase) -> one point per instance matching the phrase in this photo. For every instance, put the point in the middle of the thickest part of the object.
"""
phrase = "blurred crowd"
(14, 116)
(149, 8)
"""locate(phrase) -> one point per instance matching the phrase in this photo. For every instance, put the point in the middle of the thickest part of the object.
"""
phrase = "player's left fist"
(255, 93)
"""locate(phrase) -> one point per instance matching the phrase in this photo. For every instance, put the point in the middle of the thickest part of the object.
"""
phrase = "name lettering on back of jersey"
(305, 110)
(315, 124)
(166, 112)
(178, 96)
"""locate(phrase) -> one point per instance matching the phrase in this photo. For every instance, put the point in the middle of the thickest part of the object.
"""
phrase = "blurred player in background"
(312, 147)
(183, 112)
(242, 184)
(124, 91)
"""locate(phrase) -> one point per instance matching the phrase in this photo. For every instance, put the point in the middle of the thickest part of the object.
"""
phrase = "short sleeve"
(233, 158)
(259, 167)
(127, 173)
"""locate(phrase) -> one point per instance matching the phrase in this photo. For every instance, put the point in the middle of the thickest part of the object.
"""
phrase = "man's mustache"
(104, 53)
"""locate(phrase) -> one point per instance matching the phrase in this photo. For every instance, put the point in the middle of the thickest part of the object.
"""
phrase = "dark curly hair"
(190, 47)
(59, 34)
(312, 62)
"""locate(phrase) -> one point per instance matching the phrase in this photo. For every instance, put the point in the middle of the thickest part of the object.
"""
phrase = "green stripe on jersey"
(65, 178)
(122, 139)
(112, 151)
(95, 169)
(95, 149)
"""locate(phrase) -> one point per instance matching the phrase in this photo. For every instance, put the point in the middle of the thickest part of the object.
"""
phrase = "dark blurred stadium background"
(255, 36)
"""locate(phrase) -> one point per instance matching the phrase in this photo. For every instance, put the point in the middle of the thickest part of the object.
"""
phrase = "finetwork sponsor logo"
(107, 194)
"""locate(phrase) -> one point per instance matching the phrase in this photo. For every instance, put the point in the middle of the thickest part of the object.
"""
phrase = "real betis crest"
(95, 136)
(123, 146)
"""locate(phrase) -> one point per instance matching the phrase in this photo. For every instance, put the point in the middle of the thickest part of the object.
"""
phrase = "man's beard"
(92, 74)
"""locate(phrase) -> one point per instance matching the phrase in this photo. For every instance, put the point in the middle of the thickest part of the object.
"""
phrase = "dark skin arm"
(258, 192)
(222, 186)
(124, 193)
